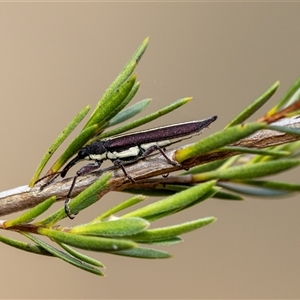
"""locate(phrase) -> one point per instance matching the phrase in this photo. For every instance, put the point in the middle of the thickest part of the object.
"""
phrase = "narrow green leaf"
(165, 190)
(115, 110)
(294, 98)
(206, 167)
(31, 214)
(186, 205)
(86, 242)
(137, 55)
(24, 246)
(63, 135)
(175, 201)
(147, 119)
(123, 76)
(112, 228)
(109, 108)
(64, 256)
(278, 185)
(110, 91)
(73, 148)
(161, 190)
(218, 140)
(227, 196)
(90, 195)
(129, 97)
(167, 242)
(129, 112)
(254, 106)
(81, 201)
(253, 191)
(143, 253)
(82, 257)
(249, 171)
(230, 161)
(171, 231)
(292, 90)
(263, 152)
(119, 207)
(207, 195)
(289, 130)
(293, 147)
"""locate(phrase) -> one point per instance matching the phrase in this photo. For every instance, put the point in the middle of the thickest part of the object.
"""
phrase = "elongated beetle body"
(131, 147)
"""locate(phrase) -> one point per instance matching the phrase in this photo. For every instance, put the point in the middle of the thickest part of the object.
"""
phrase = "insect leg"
(118, 163)
(84, 170)
(162, 151)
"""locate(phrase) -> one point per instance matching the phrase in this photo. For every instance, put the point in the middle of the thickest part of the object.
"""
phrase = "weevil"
(131, 147)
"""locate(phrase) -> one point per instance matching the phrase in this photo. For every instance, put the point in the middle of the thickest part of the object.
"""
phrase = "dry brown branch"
(142, 171)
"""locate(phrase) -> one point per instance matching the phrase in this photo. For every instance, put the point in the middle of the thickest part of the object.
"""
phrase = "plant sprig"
(225, 165)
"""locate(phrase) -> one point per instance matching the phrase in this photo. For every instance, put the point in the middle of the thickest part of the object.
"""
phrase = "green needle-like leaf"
(143, 253)
(81, 201)
(74, 146)
(129, 112)
(137, 55)
(218, 140)
(109, 108)
(64, 256)
(119, 207)
(255, 106)
(152, 235)
(282, 103)
(227, 196)
(249, 171)
(147, 119)
(264, 152)
(80, 256)
(90, 195)
(227, 179)
(175, 201)
(64, 134)
(111, 90)
(206, 167)
(122, 77)
(86, 242)
(289, 130)
(167, 242)
(24, 246)
(207, 195)
(278, 185)
(253, 191)
(31, 214)
(113, 228)
(129, 97)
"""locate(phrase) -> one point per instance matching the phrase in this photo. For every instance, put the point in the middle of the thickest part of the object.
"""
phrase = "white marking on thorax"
(98, 157)
(131, 152)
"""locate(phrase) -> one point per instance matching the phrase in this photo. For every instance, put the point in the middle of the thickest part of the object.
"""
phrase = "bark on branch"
(142, 171)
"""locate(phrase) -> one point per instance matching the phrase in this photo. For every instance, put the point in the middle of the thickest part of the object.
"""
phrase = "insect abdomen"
(169, 132)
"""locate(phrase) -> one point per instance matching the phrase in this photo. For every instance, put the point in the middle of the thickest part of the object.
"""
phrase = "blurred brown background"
(58, 57)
